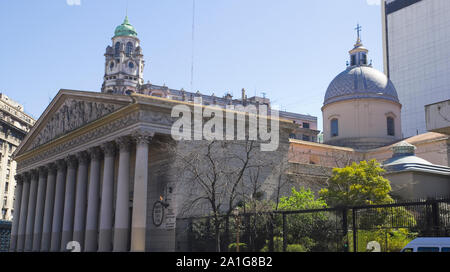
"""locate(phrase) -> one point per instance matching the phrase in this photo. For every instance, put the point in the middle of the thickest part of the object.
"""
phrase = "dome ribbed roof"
(360, 82)
(125, 29)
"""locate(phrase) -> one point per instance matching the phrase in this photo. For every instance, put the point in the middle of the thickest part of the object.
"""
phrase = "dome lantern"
(125, 29)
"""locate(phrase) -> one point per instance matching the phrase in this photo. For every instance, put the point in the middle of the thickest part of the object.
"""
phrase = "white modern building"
(14, 125)
(416, 43)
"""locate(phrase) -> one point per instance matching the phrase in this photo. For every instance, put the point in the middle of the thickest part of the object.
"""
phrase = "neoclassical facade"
(90, 171)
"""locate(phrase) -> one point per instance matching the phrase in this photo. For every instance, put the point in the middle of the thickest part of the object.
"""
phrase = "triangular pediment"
(69, 111)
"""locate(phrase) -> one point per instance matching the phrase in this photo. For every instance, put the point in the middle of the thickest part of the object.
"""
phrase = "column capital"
(142, 137)
(43, 170)
(52, 167)
(83, 157)
(72, 161)
(124, 143)
(95, 153)
(19, 178)
(109, 149)
(61, 165)
(34, 174)
(26, 176)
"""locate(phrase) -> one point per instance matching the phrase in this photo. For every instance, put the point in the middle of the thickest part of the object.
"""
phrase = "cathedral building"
(96, 164)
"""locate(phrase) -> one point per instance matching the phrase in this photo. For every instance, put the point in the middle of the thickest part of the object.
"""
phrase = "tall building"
(14, 125)
(416, 42)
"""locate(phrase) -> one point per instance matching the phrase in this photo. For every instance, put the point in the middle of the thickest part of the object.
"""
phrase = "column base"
(45, 245)
(138, 239)
(121, 240)
(91, 241)
(105, 241)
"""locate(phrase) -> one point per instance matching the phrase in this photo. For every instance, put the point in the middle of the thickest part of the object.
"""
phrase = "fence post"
(284, 233)
(345, 228)
(436, 219)
(355, 231)
(271, 247)
(190, 234)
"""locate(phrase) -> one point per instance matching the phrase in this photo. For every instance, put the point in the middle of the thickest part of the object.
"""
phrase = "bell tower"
(124, 62)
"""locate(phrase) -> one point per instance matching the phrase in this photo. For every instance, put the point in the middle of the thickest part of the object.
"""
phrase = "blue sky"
(289, 49)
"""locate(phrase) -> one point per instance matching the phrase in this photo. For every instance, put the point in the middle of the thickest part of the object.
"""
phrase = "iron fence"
(387, 228)
(5, 234)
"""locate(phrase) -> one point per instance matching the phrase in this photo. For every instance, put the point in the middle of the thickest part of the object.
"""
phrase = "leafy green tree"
(357, 184)
(301, 200)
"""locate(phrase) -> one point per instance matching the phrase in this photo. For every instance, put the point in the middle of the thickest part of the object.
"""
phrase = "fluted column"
(58, 210)
(91, 240)
(106, 208)
(122, 217)
(69, 202)
(81, 197)
(48, 209)
(31, 215)
(23, 212)
(40, 204)
(139, 217)
(16, 218)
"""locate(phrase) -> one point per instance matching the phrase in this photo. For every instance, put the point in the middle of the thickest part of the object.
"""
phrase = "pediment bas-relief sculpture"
(72, 115)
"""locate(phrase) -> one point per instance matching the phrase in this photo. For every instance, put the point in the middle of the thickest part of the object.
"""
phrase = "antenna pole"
(193, 45)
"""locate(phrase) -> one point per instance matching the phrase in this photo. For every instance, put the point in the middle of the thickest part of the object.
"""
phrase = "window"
(445, 249)
(306, 138)
(131, 65)
(5, 201)
(353, 60)
(4, 213)
(292, 136)
(305, 125)
(334, 128)
(6, 186)
(408, 250)
(129, 48)
(390, 126)
(117, 49)
(364, 58)
(111, 66)
(428, 249)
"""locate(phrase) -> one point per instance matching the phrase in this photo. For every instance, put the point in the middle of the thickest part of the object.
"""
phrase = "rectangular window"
(305, 125)
(390, 126)
(428, 249)
(445, 249)
(6, 187)
(306, 138)
(334, 128)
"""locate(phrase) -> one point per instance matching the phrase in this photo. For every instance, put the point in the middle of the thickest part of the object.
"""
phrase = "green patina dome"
(125, 29)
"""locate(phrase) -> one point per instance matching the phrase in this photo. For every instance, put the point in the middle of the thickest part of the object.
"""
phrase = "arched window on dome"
(390, 126)
(334, 128)
(129, 48)
(117, 49)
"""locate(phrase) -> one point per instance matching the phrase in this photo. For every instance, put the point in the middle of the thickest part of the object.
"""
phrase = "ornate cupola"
(361, 108)
(358, 55)
(124, 62)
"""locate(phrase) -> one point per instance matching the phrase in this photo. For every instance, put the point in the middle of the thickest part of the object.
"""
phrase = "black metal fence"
(386, 228)
(5, 235)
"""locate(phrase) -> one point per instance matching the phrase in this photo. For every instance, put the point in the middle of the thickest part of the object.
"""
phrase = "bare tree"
(218, 175)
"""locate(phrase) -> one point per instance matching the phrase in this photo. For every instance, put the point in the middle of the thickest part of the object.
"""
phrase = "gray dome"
(360, 82)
